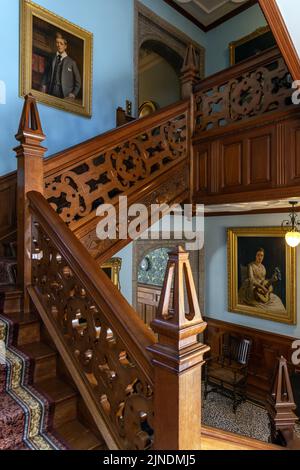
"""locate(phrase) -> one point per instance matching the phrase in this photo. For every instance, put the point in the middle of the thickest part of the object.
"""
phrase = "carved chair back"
(236, 349)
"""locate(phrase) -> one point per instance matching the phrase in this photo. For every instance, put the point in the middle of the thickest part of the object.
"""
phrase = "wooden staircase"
(110, 378)
(72, 422)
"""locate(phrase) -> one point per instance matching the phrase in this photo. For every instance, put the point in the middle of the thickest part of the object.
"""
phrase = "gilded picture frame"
(112, 268)
(261, 274)
(250, 45)
(55, 60)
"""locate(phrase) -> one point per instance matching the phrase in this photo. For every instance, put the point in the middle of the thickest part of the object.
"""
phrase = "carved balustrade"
(69, 290)
(250, 89)
(117, 163)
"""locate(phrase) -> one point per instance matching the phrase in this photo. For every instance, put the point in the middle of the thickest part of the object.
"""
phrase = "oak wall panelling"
(292, 155)
(266, 349)
(262, 160)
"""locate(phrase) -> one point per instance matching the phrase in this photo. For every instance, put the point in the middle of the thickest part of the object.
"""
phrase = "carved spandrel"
(78, 192)
(166, 193)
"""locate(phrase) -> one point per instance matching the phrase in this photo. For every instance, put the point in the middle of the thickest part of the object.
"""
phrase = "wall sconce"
(292, 237)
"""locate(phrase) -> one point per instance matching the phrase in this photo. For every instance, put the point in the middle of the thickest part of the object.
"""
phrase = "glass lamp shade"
(292, 238)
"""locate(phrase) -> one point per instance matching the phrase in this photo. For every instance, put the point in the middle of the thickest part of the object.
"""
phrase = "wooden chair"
(227, 373)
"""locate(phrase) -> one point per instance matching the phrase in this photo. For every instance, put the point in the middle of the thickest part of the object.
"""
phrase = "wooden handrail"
(124, 319)
(239, 69)
(98, 334)
(76, 153)
(217, 439)
(256, 87)
(135, 160)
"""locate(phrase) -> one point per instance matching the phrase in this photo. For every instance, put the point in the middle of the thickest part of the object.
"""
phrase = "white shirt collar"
(63, 55)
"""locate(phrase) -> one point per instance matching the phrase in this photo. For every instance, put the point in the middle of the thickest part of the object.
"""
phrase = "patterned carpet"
(25, 415)
(249, 420)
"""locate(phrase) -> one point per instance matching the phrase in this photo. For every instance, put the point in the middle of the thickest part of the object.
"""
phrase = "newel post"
(189, 73)
(177, 359)
(281, 406)
(30, 177)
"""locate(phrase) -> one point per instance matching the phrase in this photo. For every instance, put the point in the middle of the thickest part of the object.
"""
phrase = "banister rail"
(61, 160)
(136, 336)
(148, 161)
(97, 332)
(119, 162)
(253, 88)
(217, 439)
(241, 68)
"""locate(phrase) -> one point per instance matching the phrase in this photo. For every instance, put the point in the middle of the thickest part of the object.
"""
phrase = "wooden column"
(281, 407)
(189, 73)
(30, 177)
(177, 359)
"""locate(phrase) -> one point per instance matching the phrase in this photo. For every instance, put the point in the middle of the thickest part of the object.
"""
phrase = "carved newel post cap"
(179, 322)
(281, 404)
(190, 72)
(30, 128)
(190, 63)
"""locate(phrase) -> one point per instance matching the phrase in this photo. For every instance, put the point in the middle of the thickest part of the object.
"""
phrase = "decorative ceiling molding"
(280, 205)
(199, 11)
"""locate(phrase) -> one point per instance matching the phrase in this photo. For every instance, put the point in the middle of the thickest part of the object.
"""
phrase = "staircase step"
(64, 397)
(44, 360)
(29, 327)
(79, 437)
(12, 299)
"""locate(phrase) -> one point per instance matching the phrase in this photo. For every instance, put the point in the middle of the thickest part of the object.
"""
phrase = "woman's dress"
(256, 276)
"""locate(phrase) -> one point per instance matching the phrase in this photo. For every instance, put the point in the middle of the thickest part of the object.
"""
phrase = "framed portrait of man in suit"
(56, 60)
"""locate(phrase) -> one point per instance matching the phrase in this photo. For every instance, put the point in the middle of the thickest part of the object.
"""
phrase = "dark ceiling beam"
(216, 23)
(186, 14)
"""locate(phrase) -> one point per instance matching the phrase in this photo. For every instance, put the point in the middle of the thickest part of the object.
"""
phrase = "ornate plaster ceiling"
(251, 206)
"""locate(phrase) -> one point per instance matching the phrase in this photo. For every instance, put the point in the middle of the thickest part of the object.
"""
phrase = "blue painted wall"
(289, 10)
(126, 271)
(113, 72)
(218, 39)
(216, 300)
(169, 14)
(112, 23)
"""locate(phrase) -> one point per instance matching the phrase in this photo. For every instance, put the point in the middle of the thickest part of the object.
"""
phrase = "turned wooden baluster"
(177, 359)
(189, 73)
(281, 407)
(30, 175)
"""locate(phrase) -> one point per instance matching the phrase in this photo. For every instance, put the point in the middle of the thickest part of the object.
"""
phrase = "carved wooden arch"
(151, 27)
(277, 24)
(142, 247)
(174, 58)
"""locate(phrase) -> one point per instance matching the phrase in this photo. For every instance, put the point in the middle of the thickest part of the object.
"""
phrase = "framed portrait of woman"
(261, 274)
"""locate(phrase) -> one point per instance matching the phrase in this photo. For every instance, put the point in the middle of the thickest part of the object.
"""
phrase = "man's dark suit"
(70, 77)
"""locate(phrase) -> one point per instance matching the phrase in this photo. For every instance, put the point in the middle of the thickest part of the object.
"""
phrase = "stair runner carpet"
(25, 414)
